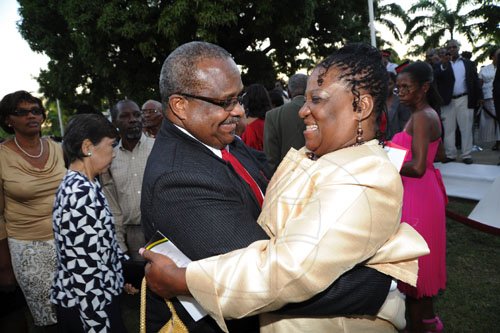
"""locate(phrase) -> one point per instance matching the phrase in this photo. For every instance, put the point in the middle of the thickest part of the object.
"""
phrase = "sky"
(19, 65)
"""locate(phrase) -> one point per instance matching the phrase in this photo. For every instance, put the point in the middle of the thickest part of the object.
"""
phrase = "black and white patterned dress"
(89, 260)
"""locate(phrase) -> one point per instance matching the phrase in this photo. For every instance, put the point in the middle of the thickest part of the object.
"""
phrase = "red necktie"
(240, 169)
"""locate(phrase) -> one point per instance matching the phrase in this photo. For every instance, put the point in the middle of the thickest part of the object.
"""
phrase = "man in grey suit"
(284, 128)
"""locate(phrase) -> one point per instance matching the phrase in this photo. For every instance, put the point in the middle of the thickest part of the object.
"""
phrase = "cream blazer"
(323, 218)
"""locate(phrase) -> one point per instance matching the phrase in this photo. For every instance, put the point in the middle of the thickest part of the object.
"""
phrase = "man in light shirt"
(122, 183)
(458, 84)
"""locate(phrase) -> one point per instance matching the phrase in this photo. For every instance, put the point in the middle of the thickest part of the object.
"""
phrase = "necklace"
(314, 157)
(24, 151)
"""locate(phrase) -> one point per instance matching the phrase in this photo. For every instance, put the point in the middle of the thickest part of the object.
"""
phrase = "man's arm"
(201, 215)
(476, 83)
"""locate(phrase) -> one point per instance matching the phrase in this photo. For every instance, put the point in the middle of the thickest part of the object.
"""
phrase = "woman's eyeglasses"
(402, 90)
(20, 112)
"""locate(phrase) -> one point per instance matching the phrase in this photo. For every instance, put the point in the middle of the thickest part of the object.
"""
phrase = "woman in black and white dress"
(89, 276)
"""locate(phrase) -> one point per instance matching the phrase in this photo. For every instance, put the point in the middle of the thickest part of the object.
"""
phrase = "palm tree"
(433, 20)
(384, 15)
(485, 19)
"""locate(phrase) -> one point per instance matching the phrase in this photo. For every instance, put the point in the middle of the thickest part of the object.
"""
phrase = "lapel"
(169, 131)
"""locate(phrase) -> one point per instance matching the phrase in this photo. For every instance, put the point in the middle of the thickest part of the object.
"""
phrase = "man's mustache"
(231, 120)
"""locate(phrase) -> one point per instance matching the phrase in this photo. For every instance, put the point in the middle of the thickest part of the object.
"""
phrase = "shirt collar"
(217, 152)
(141, 139)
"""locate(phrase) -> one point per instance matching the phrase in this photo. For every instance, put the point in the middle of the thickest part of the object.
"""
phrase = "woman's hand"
(130, 289)
(7, 278)
(163, 276)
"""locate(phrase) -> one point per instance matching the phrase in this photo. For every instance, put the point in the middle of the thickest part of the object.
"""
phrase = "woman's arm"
(421, 133)
(7, 278)
(334, 232)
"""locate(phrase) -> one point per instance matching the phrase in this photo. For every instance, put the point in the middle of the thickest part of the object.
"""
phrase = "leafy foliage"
(486, 20)
(104, 51)
(434, 21)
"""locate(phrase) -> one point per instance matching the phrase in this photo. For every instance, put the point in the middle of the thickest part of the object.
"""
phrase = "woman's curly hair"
(362, 70)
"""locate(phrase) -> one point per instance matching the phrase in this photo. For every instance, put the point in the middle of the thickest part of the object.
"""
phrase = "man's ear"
(365, 107)
(178, 106)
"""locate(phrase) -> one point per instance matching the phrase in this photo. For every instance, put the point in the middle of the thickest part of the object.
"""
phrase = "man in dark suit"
(458, 84)
(284, 128)
(200, 201)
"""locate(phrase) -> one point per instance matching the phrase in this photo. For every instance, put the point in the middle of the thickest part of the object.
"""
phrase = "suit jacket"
(496, 94)
(199, 202)
(283, 130)
(445, 79)
(397, 116)
(323, 218)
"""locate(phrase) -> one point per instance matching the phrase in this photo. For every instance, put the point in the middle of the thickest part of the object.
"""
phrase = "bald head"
(179, 72)
(151, 104)
(152, 112)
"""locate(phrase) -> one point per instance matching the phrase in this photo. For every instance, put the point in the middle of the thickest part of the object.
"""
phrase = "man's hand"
(163, 276)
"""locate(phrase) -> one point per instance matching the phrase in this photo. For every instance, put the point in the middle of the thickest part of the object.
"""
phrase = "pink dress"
(424, 202)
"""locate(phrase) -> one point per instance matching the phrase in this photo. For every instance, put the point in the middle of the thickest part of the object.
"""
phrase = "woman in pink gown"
(424, 194)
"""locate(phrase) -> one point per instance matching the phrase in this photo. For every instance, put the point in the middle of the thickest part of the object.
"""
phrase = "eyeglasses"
(226, 104)
(36, 111)
(402, 90)
(149, 111)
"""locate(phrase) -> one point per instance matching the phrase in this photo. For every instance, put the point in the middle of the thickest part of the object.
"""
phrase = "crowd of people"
(286, 201)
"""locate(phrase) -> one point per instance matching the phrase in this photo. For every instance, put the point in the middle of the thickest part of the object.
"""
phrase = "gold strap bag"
(174, 325)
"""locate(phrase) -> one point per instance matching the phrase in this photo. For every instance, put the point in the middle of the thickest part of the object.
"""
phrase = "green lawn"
(471, 302)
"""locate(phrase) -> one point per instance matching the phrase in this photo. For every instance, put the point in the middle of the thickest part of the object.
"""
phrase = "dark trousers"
(69, 318)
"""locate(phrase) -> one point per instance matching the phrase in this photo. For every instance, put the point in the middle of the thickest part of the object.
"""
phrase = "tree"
(385, 15)
(433, 20)
(485, 18)
(104, 51)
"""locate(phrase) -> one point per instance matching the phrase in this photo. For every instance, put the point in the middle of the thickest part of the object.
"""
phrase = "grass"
(471, 301)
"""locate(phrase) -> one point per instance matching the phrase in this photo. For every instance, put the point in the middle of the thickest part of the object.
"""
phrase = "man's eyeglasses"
(149, 111)
(36, 111)
(226, 104)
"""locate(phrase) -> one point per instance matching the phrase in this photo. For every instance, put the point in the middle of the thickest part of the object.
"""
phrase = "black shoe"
(468, 160)
(447, 160)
